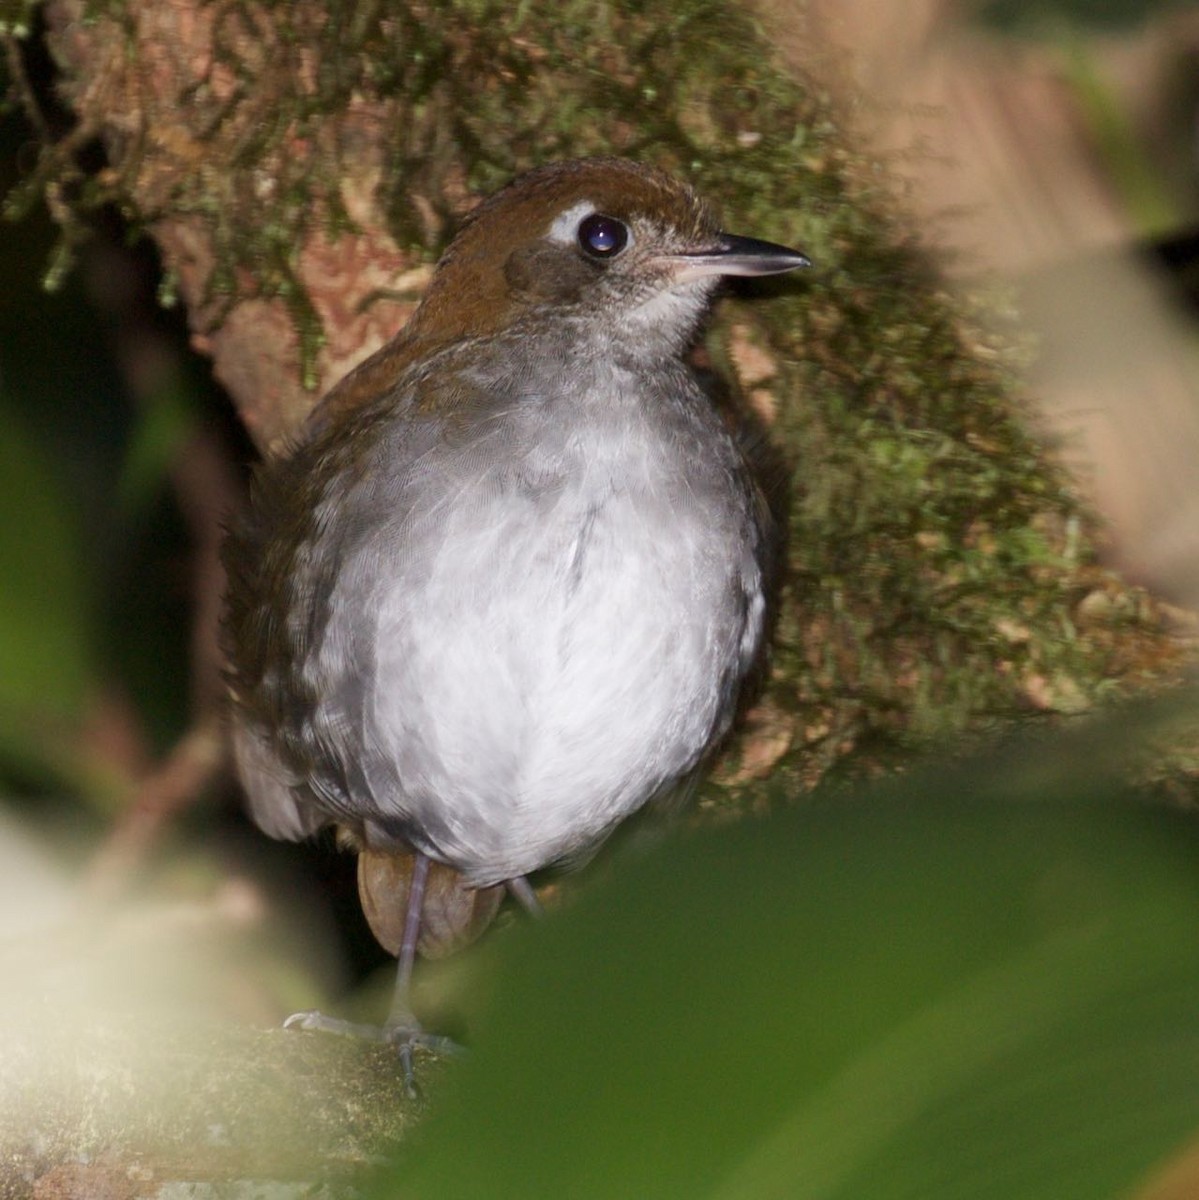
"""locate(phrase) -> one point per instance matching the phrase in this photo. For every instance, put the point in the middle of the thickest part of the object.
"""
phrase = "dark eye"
(602, 237)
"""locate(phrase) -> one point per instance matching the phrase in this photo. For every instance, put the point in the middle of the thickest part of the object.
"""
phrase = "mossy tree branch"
(299, 166)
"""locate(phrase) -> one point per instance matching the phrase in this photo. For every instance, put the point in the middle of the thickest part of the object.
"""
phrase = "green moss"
(16, 17)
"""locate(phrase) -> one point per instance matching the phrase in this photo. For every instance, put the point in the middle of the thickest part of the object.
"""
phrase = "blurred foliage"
(1141, 186)
(16, 16)
(976, 982)
(45, 637)
(90, 594)
(160, 432)
(1032, 16)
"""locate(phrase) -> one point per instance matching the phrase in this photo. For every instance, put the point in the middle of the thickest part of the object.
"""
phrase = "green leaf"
(934, 991)
(164, 425)
(45, 635)
(1020, 15)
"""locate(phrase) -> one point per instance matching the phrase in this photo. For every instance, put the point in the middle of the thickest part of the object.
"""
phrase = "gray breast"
(532, 629)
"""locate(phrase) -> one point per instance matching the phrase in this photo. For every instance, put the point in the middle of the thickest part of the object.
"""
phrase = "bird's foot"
(405, 1034)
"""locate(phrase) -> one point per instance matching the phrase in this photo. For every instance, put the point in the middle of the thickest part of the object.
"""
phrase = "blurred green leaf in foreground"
(980, 983)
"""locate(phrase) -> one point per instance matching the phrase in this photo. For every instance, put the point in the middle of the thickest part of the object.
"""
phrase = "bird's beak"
(733, 255)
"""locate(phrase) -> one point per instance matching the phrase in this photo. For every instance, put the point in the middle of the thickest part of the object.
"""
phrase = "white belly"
(544, 679)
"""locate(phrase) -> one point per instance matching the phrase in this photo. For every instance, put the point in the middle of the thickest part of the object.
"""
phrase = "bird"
(506, 586)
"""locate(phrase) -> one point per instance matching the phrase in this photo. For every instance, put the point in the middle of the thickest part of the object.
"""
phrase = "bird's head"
(607, 245)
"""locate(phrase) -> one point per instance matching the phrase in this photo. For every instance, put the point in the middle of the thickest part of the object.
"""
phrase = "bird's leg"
(522, 890)
(400, 1016)
(401, 1028)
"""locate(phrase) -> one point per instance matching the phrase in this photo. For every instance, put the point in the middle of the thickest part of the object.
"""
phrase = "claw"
(405, 1036)
(317, 1022)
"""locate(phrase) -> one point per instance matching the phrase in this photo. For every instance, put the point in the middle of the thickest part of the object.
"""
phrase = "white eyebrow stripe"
(566, 224)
